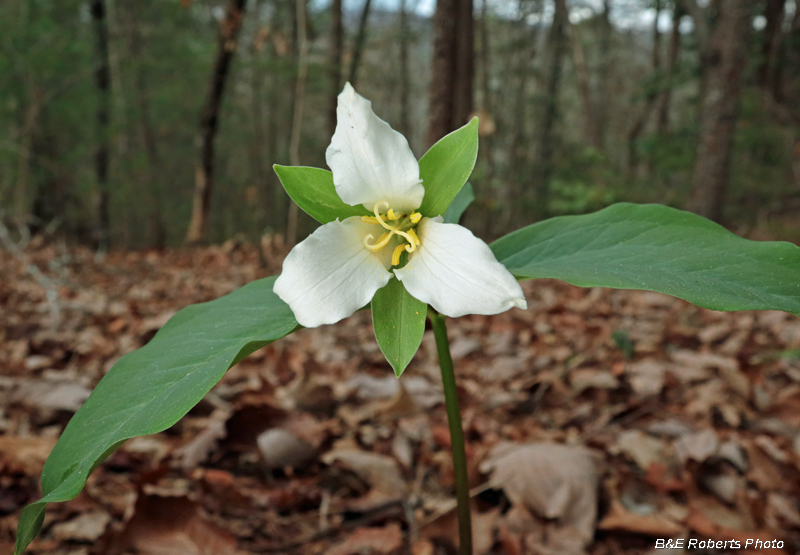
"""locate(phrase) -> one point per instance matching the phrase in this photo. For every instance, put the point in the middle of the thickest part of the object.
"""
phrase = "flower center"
(401, 225)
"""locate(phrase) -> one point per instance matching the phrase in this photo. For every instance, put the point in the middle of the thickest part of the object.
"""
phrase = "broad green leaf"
(462, 201)
(150, 389)
(313, 191)
(399, 322)
(446, 167)
(656, 248)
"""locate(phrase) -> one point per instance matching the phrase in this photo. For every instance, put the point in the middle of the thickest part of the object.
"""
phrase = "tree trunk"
(545, 145)
(518, 147)
(102, 82)
(604, 69)
(145, 124)
(361, 39)
(297, 117)
(258, 148)
(335, 63)
(672, 60)
(452, 68)
(650, 97)
(772, 39)
(590, 128)
(26, 133)
(725, 61)
(405, 77)
(209, 120)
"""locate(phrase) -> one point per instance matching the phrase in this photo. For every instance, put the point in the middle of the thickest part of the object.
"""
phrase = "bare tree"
(209, 120)
(405, 78)
(103, 84)
(519, 147)
(335, 63)
(144, 121)
(651, 94)
(773, 14)
(297, 117)
(669, 75)
(452, 67)
(361, 39)
(723, 80)
(590, 127)
(545, 145)
(604, 69)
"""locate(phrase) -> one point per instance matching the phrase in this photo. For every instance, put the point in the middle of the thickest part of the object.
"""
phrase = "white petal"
(371, 161)
(457, 274)
(331, 274)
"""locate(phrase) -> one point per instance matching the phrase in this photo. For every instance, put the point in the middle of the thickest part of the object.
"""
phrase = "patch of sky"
(630, 15)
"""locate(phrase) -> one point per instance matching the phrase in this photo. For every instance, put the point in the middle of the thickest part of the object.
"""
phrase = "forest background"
(143, 123)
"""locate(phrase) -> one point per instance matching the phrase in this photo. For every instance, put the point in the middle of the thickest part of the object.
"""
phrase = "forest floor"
(597, 421)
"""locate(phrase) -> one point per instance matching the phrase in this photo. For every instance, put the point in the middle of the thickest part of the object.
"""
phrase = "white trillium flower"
(340, 266)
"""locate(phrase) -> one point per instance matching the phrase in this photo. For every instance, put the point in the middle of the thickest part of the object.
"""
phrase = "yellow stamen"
(392, 216)
(379, 217)
(396, 254)
(408, 238)
(382, 241)
(382, 219)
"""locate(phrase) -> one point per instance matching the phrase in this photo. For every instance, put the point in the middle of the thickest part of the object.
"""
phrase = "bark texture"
(545, 145)
(101, 158)
(669, 76)
(361, 39)
(773, 12)
(723, 80)
(451, 95)
(590, 127)
(209, 120)
(405, 77)
(335, 63)
(651, 94)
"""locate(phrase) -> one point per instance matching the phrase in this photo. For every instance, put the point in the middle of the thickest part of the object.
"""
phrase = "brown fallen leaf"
(553, 480)
(50, 395)
(642, 448)
(376, 541)
(173, 526)
(24, 454)
(655, 525)
(697, 446)
(708, 528)
(483, 528)
(379, 471)
(87, 527)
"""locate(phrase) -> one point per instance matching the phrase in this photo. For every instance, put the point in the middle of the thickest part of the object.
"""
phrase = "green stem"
(456, 432)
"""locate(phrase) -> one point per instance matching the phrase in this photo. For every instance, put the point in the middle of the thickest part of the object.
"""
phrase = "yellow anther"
(408, 238)
(402, 229)
(376, 209)
(398, 250)
(382, 241)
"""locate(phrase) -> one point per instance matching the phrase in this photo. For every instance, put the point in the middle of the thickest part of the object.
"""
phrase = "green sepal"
(446, 167)
(462, 201)
(313, 191)
(150, 389)
(656, 248)
(399, 322)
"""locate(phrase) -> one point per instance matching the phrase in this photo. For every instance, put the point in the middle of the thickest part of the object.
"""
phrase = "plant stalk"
(456, 432)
